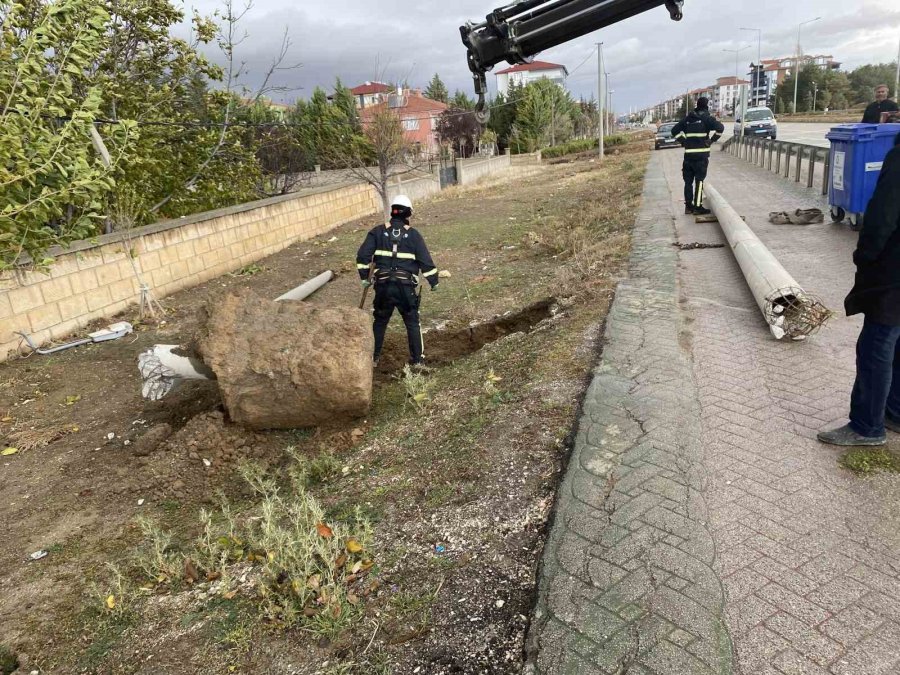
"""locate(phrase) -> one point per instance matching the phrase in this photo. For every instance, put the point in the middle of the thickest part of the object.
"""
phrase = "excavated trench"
(444, 346)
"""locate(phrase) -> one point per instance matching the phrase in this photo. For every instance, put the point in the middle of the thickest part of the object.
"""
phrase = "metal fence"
(796, 161)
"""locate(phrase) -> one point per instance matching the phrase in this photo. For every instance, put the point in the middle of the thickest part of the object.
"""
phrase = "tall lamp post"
(797, 64)
(737, 53)
(758, 32)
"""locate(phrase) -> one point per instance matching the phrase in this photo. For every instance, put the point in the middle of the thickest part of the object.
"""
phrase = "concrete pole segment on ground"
(773, 288)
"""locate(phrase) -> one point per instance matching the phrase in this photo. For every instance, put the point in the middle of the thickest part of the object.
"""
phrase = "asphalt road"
(798, 132)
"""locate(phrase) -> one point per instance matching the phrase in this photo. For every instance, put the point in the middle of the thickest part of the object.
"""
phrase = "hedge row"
(582, 145)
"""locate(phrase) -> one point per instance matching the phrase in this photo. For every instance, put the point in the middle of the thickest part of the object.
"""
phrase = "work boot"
(700, 211)
(688, 210)
(846, 437)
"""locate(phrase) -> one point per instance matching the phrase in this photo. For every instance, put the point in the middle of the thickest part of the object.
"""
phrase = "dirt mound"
(284, 365)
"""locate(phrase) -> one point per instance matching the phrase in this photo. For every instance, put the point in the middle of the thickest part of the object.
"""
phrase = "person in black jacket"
(693, 134)
(392, 256)
(881, 104)
(875, 401)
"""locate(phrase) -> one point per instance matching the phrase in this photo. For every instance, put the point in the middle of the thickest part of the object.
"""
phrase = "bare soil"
(458, 486)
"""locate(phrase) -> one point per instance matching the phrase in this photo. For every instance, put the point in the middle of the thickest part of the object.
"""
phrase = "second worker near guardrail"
(693, 133)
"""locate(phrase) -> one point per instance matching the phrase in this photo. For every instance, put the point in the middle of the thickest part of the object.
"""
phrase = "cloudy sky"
(649, 57)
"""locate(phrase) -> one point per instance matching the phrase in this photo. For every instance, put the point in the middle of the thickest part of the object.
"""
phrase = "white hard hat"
(402, 200)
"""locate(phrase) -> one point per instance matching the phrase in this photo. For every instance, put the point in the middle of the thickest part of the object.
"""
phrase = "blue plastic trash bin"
(857, 152)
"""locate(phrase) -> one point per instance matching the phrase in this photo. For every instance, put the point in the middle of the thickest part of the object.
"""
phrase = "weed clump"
(868, 462)
(304, 570)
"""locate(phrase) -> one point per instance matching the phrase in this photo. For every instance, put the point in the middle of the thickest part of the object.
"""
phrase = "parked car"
(758, 121)
(664, 136)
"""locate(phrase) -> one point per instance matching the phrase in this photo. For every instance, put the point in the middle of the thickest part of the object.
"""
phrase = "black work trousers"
(693, 170)
(390, 295)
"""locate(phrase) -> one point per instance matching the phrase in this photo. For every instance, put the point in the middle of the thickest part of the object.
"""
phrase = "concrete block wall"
(416, 188)
(96, 279)
(469, 171)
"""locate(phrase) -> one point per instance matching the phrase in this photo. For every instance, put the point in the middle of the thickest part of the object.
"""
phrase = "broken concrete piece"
(283, 365)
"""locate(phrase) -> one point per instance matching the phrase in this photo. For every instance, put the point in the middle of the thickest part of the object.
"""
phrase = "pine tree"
(437, 90)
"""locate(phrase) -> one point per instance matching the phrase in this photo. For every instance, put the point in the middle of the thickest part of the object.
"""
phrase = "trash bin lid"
(852, 132)
(888, 129)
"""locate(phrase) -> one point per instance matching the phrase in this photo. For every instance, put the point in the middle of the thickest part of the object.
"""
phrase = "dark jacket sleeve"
(714, 125)
(677, 130)
(882, 216)
(365, 253)
(426, 264)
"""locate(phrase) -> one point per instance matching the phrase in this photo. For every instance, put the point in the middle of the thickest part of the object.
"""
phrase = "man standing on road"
(693, 134)
(396, 254)
(881, 104)
(875, 402)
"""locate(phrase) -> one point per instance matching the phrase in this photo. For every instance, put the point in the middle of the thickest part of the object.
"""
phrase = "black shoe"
(688, 210)
(846, 437)
(700, 211)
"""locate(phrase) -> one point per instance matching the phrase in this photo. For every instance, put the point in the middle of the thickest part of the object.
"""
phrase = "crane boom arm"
(517, 32)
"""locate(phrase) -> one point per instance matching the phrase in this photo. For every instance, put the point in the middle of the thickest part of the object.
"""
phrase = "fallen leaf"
(341, 561)
(230, 594)
(354, 546)
(190, 571)
(324, 530)
(111, 601)
(309, 612)
(418, 398)
(6, 419)
(72, 400)
(350, 579)
(357, 566)
(297, 585)
(352, 599)
(367, 564)
(213, 576)
(314, 581)
(9, 451)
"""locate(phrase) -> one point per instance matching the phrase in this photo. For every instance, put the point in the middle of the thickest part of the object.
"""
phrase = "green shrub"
(582, 145)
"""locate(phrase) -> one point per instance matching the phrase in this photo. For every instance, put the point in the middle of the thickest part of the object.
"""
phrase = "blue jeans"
(876, 392)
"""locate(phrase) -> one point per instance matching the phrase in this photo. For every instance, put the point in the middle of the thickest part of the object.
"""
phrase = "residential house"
(782, 67)
(524, 73)
(370, 93)
(418, 115)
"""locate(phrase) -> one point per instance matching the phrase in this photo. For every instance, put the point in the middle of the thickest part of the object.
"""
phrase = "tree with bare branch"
(381, 154)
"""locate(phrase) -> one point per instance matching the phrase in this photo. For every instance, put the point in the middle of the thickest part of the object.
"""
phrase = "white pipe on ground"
(307, 288)
(785, 306)
(161, 370)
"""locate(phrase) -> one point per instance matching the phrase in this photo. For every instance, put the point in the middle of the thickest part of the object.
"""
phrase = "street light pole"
(815, 94)
(737, 53)
(758, 56)
(600, 91)
(797, 63)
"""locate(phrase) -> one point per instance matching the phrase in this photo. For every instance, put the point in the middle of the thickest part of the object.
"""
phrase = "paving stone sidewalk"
(700, 527)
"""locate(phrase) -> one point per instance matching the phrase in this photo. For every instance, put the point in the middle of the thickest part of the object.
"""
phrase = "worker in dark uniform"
(392, 256)
(881, 104)
(693, 134)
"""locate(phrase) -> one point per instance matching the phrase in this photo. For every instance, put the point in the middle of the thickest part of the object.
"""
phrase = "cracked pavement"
(700, 528)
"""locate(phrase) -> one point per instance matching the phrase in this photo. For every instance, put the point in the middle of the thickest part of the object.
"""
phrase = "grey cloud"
(649, 57)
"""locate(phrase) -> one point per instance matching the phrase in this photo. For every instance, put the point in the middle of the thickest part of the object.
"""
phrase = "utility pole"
(758, 58)
(797, 66)
(737, 53)
(897, 77)
(600, 91)
(815, 94)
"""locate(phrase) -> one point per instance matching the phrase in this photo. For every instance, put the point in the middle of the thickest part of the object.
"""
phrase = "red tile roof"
(412, 104)
(732, 80)
(534, 65)
(371, 88)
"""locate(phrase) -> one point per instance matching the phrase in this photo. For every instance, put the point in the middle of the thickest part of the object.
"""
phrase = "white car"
(758, 122)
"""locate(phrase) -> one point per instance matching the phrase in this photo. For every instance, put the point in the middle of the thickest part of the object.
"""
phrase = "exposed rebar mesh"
(796, 312)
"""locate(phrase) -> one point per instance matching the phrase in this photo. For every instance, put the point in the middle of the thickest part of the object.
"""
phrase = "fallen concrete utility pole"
(785, 306)
(162, 370)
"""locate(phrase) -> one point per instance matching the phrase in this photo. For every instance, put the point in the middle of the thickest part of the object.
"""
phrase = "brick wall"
(95, 279)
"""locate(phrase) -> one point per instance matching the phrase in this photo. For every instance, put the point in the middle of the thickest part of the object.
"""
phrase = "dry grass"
(30, 439)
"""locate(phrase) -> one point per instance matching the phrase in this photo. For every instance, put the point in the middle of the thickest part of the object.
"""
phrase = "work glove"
(365, 283)
(434, 288)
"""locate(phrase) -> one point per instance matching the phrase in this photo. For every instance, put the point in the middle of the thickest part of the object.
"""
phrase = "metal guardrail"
(768, 154)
